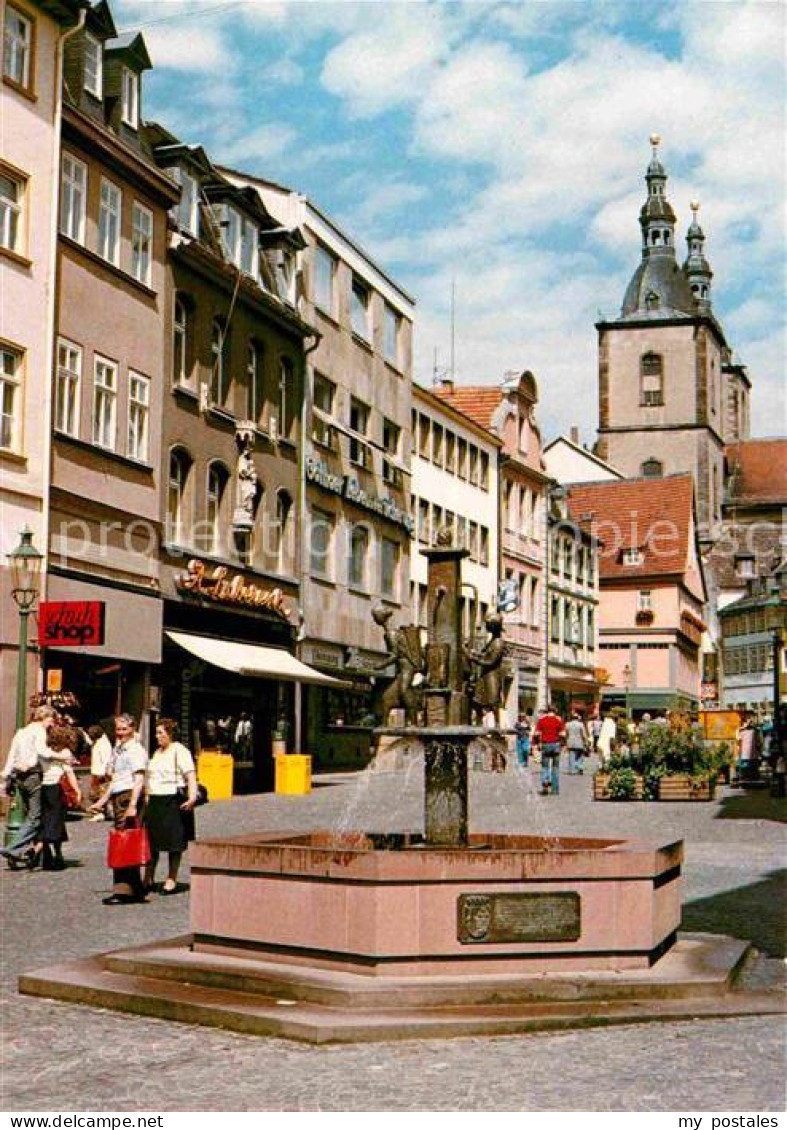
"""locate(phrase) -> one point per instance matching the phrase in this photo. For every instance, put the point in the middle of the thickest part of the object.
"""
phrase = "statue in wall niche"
(485, 684)
(247, 488)
(405, 650)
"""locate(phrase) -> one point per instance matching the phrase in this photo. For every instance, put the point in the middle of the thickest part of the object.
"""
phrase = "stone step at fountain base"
(269, 998)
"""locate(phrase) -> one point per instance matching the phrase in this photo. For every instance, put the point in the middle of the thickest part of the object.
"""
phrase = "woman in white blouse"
(172, 794)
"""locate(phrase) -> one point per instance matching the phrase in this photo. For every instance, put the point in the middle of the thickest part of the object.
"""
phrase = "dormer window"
(249, 248)
(652, 469)
(240, 240)
(94, 67)
(632, 556)
(129, 96)
(186, 213)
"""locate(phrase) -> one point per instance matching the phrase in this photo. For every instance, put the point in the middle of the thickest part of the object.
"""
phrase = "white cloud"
(264, 143)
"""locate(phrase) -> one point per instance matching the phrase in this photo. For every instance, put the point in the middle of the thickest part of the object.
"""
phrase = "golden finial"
(655, 140)
(695, 207)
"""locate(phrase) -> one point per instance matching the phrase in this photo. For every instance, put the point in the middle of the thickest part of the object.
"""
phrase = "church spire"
(697, 268)
(656, 217)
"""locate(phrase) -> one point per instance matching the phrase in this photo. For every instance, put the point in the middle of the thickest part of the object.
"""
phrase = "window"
(437, 444)
(17, 47)
(424, 437)
(255, 383)
(423, 521)
(745, 568)
(186, 212)
(652, 469)
(359, 422)
(179, 468)
(73, 198)
(461, 458)
(229, 223)
(483, 470)
(138, 416)
(554, 619)
(129, 97)
(632, 556)
(324, 272)
(286, 275)
(12, 192)
(389, 559)
(249, 248)
(652, 380)
(220, 369)
(105, 403)
(483, 552)
(141, 243)
(359, 553)
(450, 452)
(568, 560)
(218, 477)
(321, 543)
(391, 323)
(109, 222)
(535, 610)
(472, 471)
(591, 635)
(555, 555)
(181, 370)
(645, 601)
(473, 540)
(324, 394)
(94, 66)
(69, 377)
(283, 530)
(286, 397)
(10, 398)
(569, 622)
(359, 309)
(391, 437)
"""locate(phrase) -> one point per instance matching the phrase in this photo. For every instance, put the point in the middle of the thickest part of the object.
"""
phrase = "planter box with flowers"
(677, 764)
(644, 618)
(618, 784)
(681, 786)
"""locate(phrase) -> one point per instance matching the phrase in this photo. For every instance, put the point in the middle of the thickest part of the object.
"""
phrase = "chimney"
(574, 434)
(447, 383)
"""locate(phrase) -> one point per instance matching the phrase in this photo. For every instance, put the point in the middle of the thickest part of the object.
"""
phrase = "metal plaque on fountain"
(489, 919)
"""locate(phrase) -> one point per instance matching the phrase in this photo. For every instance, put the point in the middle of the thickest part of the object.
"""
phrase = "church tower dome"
(659, 288)
(697, 268)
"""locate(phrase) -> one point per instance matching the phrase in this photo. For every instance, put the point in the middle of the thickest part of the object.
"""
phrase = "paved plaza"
(59, 1057)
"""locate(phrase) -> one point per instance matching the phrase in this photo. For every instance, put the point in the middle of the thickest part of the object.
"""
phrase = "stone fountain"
(366, 936)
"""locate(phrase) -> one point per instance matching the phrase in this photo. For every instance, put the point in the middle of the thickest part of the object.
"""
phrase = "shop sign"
(350, 489)
(321, 657)
(220, 586)
(709, 692)
(71, 623)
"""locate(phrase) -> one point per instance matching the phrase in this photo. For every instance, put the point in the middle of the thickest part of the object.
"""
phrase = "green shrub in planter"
(622, 784)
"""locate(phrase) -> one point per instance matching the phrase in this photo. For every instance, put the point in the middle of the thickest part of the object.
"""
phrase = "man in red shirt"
(549, 731)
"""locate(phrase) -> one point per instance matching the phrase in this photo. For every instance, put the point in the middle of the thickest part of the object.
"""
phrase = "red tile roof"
(479, 402)
(652, 515)
(759, 471)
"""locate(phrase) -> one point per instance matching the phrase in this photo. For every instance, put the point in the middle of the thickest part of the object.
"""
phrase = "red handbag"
(128, 847)
(72, 798)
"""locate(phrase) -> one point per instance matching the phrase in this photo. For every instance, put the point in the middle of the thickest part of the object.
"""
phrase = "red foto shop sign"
(71, 623)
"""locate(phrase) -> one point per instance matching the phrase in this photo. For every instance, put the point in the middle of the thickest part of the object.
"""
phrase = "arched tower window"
(651, 380)
(652, 469)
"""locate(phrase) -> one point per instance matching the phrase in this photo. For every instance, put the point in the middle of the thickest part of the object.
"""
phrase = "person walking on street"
(550, 730)
(524, 735)
(62, 745)
(100, 757)
(576, 743)
(606, 738)
(172, 795)
(23, 772)
(126, 791)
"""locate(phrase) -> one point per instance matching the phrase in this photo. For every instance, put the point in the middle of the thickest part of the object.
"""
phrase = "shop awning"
(252, 659)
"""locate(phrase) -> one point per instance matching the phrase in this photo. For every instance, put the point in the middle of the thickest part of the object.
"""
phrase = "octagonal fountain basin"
(385, 905)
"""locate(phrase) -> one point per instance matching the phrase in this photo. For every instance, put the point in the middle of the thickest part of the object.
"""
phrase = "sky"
(499, 149)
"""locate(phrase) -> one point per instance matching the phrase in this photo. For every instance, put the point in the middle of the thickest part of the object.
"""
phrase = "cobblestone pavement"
(70, 1058)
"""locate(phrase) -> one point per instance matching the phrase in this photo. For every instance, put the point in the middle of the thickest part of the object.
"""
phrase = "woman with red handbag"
(128, 845)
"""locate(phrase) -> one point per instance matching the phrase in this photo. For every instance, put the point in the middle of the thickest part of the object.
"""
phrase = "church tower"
(668, 389)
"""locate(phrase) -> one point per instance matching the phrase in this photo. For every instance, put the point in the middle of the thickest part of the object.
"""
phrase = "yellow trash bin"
(293, 773)
(214, 771)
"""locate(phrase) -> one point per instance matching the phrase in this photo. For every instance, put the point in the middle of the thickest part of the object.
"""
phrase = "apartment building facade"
(455, 486)
(355, 486)
(34, 35)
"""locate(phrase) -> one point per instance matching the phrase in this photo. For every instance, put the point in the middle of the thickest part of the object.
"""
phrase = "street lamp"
(555, 494)
(25, 563)
(627, 685)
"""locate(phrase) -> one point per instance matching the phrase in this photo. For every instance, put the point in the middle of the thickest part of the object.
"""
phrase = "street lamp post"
(25, 563)
(627, 685)
(777, 735)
